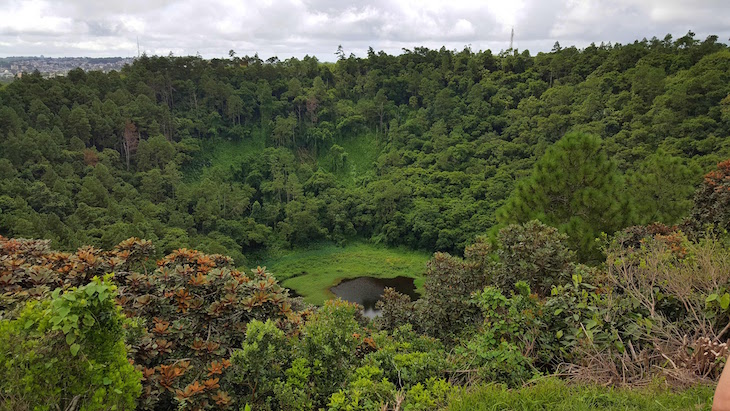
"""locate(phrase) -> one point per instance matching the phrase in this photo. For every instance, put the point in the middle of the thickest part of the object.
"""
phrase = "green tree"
(661, 189)
(155, 152)
(78, 125)
(576, 188)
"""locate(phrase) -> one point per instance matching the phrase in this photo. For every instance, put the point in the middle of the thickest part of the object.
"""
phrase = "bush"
(29, 269)
(407, 358)
(502, 347)
(432, 394)
(445, 310)
(535, 253)
(259, 366)
(712, 202)
(196, 309)
(396, 309)
(368, 390)
(330, 344)
(68, 352)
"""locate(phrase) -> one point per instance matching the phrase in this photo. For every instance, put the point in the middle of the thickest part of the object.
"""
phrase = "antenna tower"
(512, 38)
(137, 46)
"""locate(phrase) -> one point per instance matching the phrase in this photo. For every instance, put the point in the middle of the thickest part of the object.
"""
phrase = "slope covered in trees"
(95, 158)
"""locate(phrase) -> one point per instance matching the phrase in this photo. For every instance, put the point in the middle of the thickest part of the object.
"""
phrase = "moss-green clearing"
(362, 152)
(311, 272)
(222, 154)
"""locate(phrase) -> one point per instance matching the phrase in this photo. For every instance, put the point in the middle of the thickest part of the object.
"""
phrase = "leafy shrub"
(535, 253)
(430, 395)
(259, 366)
(712, 202)
(396, 309)
(531, 252)
(330, 343)
(581, 314)
(196, 309)
(407, 358)
(368, 390)
(29, 269)
(190, 312)
(68, 352)
(445, 310)
(501, 348)
(295, 391)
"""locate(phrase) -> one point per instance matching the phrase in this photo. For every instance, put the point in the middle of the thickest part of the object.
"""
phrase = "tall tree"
(662, 189)
(575, 188)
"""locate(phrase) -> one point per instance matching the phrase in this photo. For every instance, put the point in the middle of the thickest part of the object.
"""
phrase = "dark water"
(366, 291)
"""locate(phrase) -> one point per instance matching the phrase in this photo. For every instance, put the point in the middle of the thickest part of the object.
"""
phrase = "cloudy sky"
(287, 28)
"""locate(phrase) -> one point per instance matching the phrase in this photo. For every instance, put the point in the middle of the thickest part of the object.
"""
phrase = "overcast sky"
(287, 28)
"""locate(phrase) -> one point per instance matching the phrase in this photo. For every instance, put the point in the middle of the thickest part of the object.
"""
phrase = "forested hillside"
(420, 149)
(577, 204)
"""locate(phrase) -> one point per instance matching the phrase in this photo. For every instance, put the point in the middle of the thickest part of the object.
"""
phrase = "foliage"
(420, 149)
(196, 309)
(29, 269)
(368, 390)
(662, 188)
(501, 350)
(531, 252)
(330, 342)
(658, 308)
(534, 253)
(395, 309)
(407, 358)
(445, 310)
(432, 394)
(712, 201)
(259, 364)
(576, 188)
(552, 393)
(68, 352)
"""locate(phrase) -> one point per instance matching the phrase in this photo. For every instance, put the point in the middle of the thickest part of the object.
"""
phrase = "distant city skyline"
(295, 28)
(13, 67)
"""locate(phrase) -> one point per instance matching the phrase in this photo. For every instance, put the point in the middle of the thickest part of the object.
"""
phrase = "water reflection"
(366, 291)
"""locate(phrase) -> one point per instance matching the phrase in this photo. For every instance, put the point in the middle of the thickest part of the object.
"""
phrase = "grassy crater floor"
(312, 271)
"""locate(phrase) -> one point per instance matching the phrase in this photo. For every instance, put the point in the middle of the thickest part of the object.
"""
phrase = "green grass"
(311, 272)
(555, 394)
(222, 154)
(362, 151)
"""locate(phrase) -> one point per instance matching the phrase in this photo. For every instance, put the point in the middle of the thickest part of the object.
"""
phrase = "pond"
(366, 291)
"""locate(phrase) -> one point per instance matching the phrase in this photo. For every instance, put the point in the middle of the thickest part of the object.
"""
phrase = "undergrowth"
(556, 394)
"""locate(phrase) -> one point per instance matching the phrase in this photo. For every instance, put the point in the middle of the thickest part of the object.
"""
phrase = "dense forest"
(576, 204)
(420, 149)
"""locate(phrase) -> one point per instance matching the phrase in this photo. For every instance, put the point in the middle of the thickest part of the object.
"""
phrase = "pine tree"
(575, 188)
(662, 188)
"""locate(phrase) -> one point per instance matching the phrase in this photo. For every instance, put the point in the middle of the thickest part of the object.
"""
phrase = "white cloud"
(33, 17)
(316, 27)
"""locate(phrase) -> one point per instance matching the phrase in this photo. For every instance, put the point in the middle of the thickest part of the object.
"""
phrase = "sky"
(295, 28)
